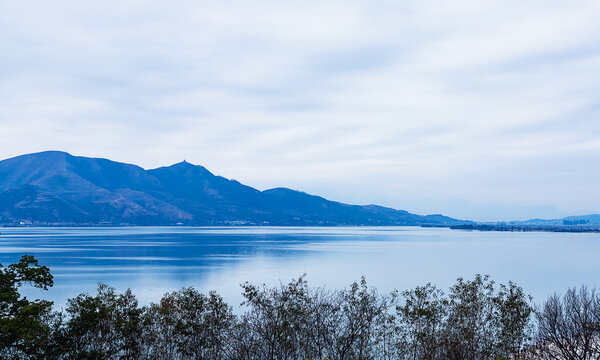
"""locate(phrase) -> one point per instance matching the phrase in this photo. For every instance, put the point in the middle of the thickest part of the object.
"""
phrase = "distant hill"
(574, 224)
(56, 188)
(579, 220)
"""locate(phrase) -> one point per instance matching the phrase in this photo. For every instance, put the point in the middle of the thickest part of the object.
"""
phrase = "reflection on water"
(153, 260)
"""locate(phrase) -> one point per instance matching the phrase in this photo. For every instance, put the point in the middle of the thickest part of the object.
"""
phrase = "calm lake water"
(154, 260)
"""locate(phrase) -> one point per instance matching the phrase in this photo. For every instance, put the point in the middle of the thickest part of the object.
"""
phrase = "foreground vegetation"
(475, 319)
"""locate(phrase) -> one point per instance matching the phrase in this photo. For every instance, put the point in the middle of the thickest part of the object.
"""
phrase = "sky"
(483, 110)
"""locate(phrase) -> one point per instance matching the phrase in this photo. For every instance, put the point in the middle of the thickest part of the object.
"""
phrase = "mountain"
(56, 188)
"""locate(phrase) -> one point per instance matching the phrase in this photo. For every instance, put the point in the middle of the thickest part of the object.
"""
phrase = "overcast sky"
(476, 109)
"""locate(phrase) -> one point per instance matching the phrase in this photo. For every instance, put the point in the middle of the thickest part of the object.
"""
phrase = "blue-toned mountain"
(56, 188)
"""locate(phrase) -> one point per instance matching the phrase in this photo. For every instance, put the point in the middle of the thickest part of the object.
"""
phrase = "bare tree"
(569, 327)
(277, 317)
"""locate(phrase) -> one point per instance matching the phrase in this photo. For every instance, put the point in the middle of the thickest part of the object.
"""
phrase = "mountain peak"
(185, 165)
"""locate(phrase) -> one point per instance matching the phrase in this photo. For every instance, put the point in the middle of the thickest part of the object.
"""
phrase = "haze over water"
(154, 260)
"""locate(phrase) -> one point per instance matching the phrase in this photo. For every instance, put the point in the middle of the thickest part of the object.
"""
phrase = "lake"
(154, 260)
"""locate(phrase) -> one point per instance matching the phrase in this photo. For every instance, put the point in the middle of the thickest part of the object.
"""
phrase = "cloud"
(408, 104)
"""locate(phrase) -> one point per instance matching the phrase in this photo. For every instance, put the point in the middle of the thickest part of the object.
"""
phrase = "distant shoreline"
(469, 226)
(526, 228)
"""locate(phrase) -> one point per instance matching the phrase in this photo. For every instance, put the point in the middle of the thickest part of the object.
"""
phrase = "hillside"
(56, 188)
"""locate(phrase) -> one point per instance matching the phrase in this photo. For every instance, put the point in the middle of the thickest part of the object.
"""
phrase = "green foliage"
(421, 319)
(187, 325)
(470, 328)
(476, 320)
(105, 326)
(24, 324)
(512, 315)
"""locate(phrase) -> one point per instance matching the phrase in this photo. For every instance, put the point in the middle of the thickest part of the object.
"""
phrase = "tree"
(469, 327)
(276, 319)
(105, 326)
(513, 319)
(362, 313)
(475, 321)
(187, 325)
(421, 321)
(293, 321)
(569, 327)
(24, 324)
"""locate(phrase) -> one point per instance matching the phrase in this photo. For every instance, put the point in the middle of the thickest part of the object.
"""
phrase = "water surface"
(154, 260)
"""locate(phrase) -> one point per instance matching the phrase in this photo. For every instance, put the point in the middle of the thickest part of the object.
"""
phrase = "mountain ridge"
(57, 188)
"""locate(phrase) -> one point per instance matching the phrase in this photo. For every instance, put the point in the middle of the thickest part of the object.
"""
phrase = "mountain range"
(56, 188)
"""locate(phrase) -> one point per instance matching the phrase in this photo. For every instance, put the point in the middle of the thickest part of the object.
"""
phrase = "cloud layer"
(421, 105)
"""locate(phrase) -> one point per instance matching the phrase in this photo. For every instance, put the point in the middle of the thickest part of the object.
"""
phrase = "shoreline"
(467, 226)
(525, 228)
